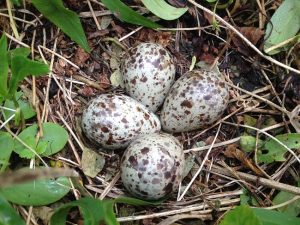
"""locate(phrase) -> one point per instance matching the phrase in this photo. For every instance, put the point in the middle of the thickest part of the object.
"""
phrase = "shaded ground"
(77, 77)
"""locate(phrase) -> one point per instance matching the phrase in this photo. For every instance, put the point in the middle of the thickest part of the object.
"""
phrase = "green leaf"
(93, 211)
(248, 143)
(284, 24)
(241, 215)
(163, 10)
(25, 107)
(17, 2)
(38, 192)
(126, 14)
(8, 215)
(273, 151)
(3, 66)
(54, 139)
(22, 67)
(19, 51)
(293, 208)
(272, 217)
(67, 20)
(6, 148)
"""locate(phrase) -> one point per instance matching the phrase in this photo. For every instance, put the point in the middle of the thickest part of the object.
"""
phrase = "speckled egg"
(197, 98)
(148, 72)
(113, 120)
(152, 166)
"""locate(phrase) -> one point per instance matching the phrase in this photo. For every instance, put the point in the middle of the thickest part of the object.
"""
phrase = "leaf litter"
(238, 64)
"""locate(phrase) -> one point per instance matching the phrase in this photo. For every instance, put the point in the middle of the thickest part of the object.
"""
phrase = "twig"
(243, 37)
(201, 166)
(202, 206)
(258, 180)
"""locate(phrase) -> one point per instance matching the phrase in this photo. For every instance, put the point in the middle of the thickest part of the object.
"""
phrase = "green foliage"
(38, 192)
(163, 10)
(65, 19)
(24, 106)
(6, 148)
(292, 208)
(270, 150)
(54, 139)
(3, 66)
(272, 217)
(126, 14)
(241, 215)
(244, 215)
(93, 211)
(248, 143)
(284, 24)
(8, 215)
(273, 151)
(21, 67)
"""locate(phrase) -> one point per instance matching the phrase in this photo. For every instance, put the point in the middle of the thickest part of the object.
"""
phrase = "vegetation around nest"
(55, 56)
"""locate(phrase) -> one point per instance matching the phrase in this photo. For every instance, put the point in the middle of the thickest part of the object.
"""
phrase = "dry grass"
(215, 183)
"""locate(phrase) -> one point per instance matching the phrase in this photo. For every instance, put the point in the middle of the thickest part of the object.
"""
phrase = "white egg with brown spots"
(197, 99)
(114, 120)
(152, 166)
(148, 72)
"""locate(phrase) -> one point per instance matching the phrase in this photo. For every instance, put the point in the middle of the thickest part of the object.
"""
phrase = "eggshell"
(152, 166)
(148, 72)
(197, 99)
(113, 120)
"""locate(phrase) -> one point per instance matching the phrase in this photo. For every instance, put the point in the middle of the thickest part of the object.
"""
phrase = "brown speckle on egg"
(148, 72)
(198, 98)
(157, 171)
(113, 120)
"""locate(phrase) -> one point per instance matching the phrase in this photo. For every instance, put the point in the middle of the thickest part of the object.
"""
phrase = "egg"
(148, 72)
(113, 120)
(152, 166)
(197, 99)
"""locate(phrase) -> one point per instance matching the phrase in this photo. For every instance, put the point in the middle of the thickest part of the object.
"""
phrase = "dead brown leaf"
(253, 34)
(81, 57)
(233, 152)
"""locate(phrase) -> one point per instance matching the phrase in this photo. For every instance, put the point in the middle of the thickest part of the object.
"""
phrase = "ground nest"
(221, 173)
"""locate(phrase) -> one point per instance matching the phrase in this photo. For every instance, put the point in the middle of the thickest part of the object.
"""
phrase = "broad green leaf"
(293, 208)
(126, 14)
(38, 192)
(6, 148)
(25, 107)
(56, 136)
(273, 151)
(284, 24)
(8, 215)
(3, 66)
(54, 139)
(67, 20)
(248, 143)
(22, 67)
(163, 10)
(93, 211)
(19, 51)
(248, 199)
(241, 215)
(272, 217)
